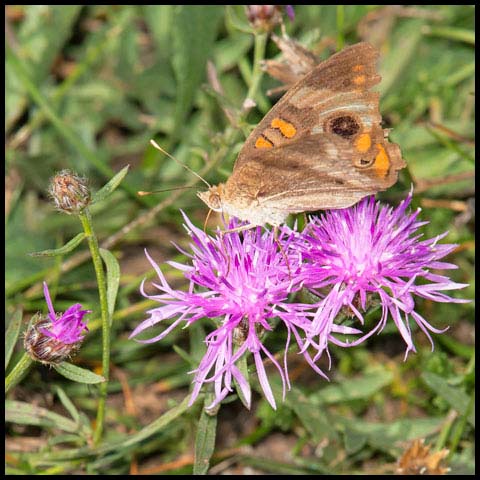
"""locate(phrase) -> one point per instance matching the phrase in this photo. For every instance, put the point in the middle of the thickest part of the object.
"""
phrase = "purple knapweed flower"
(56, 337)
(290, 12)
(373, 252)
(67, 327)
(242, 281)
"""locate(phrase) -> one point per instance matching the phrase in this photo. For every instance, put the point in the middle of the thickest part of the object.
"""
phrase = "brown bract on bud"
(56, 337)
(418, 460)
(69, 192)
(264, 17)
(240, 332)
(46, 349)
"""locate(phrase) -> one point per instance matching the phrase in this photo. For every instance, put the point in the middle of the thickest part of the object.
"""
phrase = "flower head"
(69, 192)
(241, 280)
(266, 17)
(375, 251)
(56, 337)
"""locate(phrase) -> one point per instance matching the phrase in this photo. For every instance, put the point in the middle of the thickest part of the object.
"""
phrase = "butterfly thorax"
(236, 203)
(213, 197)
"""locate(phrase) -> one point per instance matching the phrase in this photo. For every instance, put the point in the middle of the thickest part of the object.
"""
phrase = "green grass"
(87, 87)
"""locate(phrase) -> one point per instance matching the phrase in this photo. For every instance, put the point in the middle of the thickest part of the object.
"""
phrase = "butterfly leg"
(241, 228)
(224, 252)
(206, 220)
(282, 251)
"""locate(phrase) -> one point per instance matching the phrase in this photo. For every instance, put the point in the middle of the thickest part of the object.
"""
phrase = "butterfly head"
(213, 197)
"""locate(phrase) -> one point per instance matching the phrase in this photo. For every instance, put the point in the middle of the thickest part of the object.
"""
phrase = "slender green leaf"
(452, 33)
(18, 372)
(11, 335)
(230, 50)
(113, 280)
(403, 52)
(388, 436)
(68, 247)
(77, 374)
(154, 427)
(316, 420)
(205, 439)
(67, 403)
(243, 367)
(63, 128)
(354, 440)
(455, 396)
(355, 388)
(185, 355)
(160, 23)
(29, 414)
(272, 466)
(110, 186)
(193, 36)
(41, 35)
(197, 343)
(64, 438)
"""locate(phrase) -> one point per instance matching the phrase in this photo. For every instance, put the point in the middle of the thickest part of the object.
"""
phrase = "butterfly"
(321, 146)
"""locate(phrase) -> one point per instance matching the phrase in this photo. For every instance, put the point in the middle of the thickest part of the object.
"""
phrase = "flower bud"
(69, 192)
(266, 17)
(45, 349)
(56, 337)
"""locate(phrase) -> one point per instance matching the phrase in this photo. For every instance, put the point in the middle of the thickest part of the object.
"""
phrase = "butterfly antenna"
(206, 220)
(142, 193)
(158, 147)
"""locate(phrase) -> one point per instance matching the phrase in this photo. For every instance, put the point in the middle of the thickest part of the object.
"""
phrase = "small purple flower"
(56, 337)
(242, 282)
(372, 251)
(67, 327)
(290, 12)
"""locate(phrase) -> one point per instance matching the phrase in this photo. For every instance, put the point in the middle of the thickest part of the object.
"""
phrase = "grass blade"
(113, 280)
(205, 439)
(77, 374)
(11, 335)
(68, 247)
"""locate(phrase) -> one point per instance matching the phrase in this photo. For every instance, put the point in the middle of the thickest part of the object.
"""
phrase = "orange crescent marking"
(360, 80)
(358, 68)
(382, 161)
(363, 142)
(263, 143)
(287, 129)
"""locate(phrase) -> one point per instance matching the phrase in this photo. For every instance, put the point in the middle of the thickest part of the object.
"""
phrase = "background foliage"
(86, 88)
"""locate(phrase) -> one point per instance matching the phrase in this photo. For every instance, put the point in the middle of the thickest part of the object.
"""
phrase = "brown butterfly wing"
(312, 174)
(330, 88)
(321, 145)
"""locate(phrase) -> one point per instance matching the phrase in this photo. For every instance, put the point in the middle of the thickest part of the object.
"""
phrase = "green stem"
(86, 220)
(460, 426)
(445, 432)
(258, 56)
(18, 372)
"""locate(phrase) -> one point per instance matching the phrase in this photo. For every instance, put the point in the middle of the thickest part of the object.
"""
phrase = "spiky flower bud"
(266, 17)
(69, 192)
(56, 337)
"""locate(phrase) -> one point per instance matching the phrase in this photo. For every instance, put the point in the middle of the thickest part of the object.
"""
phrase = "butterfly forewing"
(321, 146)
